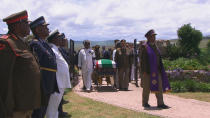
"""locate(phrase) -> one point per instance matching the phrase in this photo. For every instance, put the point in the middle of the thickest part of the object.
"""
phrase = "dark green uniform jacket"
(19, 76)
(123, 58)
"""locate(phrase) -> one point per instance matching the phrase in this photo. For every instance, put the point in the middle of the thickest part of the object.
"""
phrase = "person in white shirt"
(62, 76)
(116, 78)
(86, 60)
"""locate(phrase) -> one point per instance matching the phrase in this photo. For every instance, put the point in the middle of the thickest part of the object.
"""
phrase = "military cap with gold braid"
(62, 35)
(16, 17)
(53, 35)
(37, 22)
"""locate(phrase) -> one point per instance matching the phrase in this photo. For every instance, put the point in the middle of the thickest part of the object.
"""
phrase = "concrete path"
(132, 99)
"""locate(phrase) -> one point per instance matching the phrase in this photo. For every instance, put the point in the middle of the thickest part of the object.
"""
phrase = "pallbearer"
(123, 61)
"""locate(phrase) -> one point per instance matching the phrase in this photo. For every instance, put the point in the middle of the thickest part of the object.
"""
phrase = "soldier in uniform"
(154, 78)
(62, 76)
(47, 61)
(62, 45)
(20, 75)
(65, 55)
(123, 61)
(97, 52)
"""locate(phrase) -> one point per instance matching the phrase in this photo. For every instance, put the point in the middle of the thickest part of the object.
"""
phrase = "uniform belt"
(48, 69)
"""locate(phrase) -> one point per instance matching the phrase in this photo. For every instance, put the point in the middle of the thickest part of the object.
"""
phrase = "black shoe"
(91, 88)
(125, 89)
(163, 106)
(63, 114)
(146, 105)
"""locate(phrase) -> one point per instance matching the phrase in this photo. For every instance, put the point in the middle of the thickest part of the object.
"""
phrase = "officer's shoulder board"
(4, 39)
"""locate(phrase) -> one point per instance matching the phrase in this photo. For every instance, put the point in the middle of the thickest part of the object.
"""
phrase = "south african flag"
(105, 63)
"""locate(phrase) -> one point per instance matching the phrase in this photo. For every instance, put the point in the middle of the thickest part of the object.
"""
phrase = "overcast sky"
(113, 19)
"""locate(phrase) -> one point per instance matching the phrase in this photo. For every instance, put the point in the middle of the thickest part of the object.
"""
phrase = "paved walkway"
(180, 107)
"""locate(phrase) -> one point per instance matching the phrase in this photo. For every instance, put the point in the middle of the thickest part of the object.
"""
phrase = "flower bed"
(197, 75)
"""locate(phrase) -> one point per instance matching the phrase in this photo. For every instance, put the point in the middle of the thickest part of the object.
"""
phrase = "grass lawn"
(202, 96)
(81, 107)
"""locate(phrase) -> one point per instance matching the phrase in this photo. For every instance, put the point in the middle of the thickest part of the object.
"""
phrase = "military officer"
(62, 76)
(154, 78)
(19, 71)
(47, 61)
(62, 45)
(65, 55)
(123, 60)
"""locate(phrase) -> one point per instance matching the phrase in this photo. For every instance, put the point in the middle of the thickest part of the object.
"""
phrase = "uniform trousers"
(87, 78)
(52, 108)
(39, 113)
(22, 114)
(145, 83)
(123, 77)
(116, 79)
(60, 107)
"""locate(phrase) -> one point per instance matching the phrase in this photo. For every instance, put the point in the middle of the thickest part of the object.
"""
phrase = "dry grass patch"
(202, 96)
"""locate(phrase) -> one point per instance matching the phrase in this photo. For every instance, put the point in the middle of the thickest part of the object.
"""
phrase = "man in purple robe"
(154, 78)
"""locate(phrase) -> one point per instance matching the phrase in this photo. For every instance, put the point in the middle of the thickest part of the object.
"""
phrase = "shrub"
(173, 52)
(203, 87)
(185, 64)
(204, 57)
(178, 86)
(189, 85)
(189, 40)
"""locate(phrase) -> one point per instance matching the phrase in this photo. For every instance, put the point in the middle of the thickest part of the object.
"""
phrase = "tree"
(189, 40)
